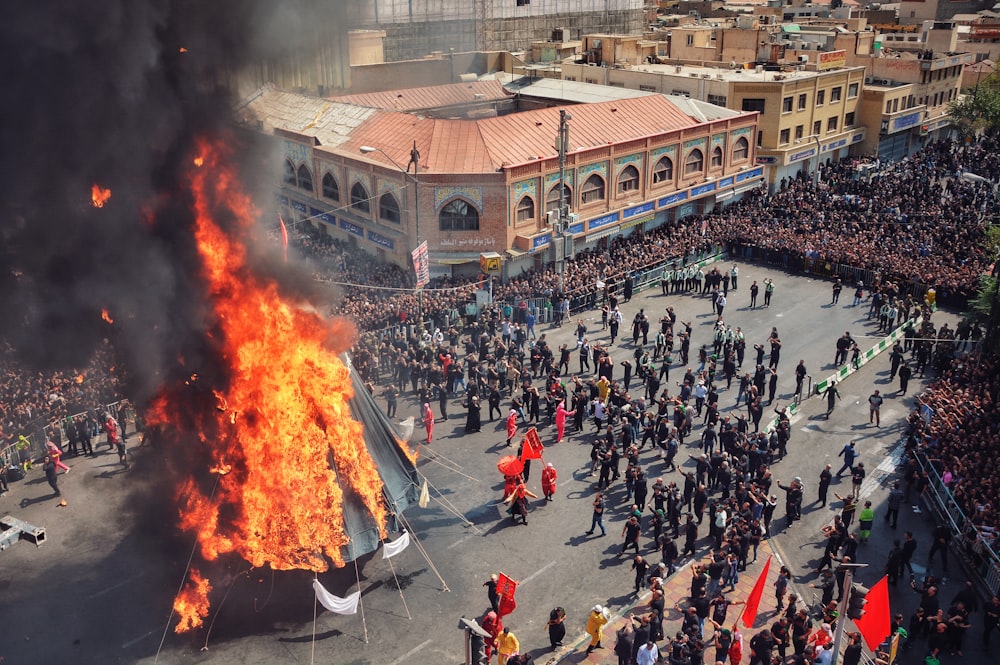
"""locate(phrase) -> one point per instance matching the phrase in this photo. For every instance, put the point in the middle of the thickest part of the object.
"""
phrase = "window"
(716, 156)
(895, 105)
(526, 209)
(753, 104)
(835, 94)
(718, 100)
(799, 132)
(552, 200)
(359, 198)
(663, 171)
(459, 215)
(760, 138)
(831, 124)
(817, 127)
(689, 40)
(522, 3)
(648, 88)
(593, 189)
(289, 175)
(783, 136)
(888, 106)
(852, 91)
(820, 97)
(741, 150)
(330, 189)
(695, 162)
(849, 119)
(305, 178)
(786, 105)
(628, 181)
(803, 101)
(388, 209)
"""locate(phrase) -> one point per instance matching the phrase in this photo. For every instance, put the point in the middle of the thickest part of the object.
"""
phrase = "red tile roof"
(487, 145)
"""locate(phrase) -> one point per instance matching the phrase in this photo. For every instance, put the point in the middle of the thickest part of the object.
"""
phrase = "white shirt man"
(648, 654)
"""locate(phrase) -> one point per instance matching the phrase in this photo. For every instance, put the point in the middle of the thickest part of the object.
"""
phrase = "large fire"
(281, 444)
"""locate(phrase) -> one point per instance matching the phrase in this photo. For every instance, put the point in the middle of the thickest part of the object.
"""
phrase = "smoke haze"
(102, 93)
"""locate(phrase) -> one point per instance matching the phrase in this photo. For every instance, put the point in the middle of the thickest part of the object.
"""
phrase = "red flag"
(506, 588)
(876, 624)
(753, 601)
(284, 237)
(532, 446)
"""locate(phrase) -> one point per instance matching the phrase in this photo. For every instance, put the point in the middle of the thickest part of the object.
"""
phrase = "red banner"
(876, 623)
(753, 601)
(532, 447)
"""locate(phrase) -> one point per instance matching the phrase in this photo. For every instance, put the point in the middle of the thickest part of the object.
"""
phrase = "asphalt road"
(100, 588)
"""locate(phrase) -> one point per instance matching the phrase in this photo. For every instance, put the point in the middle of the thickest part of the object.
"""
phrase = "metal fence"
(975, 548)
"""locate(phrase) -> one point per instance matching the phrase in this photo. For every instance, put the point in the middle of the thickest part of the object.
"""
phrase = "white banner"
(396, 546)
(334, 603)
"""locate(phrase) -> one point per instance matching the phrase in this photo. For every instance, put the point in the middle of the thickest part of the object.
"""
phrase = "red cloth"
(511, 424)
(753, 600)
(876, 624)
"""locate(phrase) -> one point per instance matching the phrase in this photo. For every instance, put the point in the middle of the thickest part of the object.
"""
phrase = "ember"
(99, 196)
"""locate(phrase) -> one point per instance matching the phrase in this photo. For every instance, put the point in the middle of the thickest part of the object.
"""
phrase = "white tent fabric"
(334, 603)
(396, 546)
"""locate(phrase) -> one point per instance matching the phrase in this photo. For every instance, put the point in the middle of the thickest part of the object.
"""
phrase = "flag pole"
(846, 599)
(361, 601)
(312, 656)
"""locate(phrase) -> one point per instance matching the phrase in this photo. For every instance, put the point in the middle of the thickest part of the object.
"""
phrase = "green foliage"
(979, 112)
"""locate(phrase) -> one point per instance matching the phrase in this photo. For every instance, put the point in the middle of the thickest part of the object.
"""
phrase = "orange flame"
(281, 439)
(182, 50)
(80, 378)
(106, 316)
(99, 195)
(191, 604)
(199, 161)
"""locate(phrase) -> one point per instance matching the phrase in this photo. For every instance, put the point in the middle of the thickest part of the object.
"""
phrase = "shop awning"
(602, 234)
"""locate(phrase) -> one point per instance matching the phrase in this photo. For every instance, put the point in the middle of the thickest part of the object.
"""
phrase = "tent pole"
(399, 588)
(427, 558)
(450, 507)
(361, 602)
(312, 656)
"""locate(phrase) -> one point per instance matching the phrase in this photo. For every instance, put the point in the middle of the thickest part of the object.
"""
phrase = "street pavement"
(100, 588)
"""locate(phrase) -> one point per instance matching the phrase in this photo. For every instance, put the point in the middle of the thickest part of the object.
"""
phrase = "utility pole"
(559, 235)
(845, 604)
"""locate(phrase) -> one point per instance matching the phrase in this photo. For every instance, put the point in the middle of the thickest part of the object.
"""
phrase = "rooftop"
(429, 97)
(734, 74)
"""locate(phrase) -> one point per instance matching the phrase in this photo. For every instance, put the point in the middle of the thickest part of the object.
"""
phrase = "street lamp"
(559, 241)
(415, 161)
(814, 137)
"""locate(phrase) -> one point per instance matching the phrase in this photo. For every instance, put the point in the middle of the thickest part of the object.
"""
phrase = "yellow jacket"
(507, 644)
(595, 622)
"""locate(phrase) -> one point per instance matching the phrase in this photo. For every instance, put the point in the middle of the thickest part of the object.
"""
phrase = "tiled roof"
(431, 97)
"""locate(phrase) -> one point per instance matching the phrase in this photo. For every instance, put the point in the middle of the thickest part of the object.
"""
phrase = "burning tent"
(305, 469)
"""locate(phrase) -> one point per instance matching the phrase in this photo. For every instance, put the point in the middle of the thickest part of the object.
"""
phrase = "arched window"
(305, 178)
(526, 209)
(695, 162)
(459, 215)
(289, 176)
(359, 198)
(663, 171)
(741, 150)
(593, 189)
(388, 209)
(628, 181)
(552, 200)
(716, 156)
(330, 188)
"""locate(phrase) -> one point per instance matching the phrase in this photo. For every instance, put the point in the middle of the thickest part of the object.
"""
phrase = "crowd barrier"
(851, 368)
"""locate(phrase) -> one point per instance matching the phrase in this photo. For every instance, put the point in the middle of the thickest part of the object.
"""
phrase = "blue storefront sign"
(352, 228)
(905, 121)
(672, 199)
(858, 137)
(301, 207)
(381, 240)
(541, 241)
(576, 228)
(703, 189)
(637, 210)
(802, 154)
(326, 217)
(725, 182)
(598, 222)
(836, 144)
(746, 175)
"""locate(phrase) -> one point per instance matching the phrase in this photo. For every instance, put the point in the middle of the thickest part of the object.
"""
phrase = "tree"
(985, 307)
(978, 113)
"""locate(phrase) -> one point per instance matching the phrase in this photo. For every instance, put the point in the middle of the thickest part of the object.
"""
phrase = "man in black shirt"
(941, 539)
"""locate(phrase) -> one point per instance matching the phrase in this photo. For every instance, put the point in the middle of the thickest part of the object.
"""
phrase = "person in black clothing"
(825, 476)
(491, 591)
(852, 654)
(991, 619)
(640, 566)
(904, 376)
(761, 647)
(624, 644)
(941, 540)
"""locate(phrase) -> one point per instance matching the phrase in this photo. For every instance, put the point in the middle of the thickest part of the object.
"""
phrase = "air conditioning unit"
(759, 69)
(693, 75)
(883, 82)
(868, 80)
(706, 76)
(803, 57)
(573, 218)
(552, 217)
